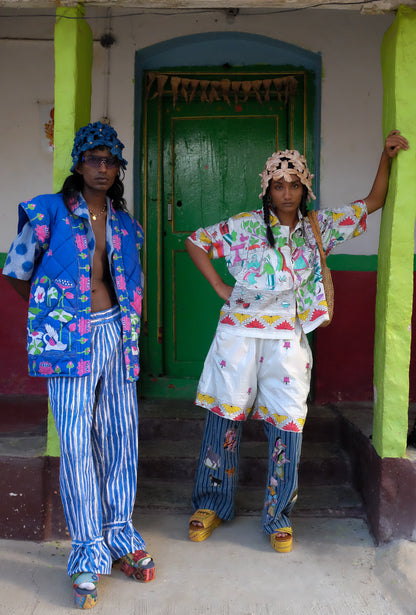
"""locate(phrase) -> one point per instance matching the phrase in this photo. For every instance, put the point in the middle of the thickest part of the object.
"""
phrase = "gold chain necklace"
(95, 216)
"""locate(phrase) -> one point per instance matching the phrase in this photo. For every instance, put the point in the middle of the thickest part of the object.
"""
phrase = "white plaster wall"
(26, 76)
(351, 94)
(27, 80)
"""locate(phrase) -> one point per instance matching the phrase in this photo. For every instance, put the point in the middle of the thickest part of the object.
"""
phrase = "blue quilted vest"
(59, 324)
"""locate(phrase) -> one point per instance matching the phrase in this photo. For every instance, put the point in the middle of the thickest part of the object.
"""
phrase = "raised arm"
(394, 143)
(202, 261)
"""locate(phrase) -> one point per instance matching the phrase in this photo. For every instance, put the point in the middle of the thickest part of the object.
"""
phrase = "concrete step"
(159, 420)
(170, 439)
(321, 501)
(321, 463)
(22, 413)
(180, 419)
(170, 435)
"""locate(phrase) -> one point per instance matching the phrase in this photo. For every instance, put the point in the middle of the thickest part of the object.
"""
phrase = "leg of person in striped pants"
(216, 477)
(282, 485)
(97, 422)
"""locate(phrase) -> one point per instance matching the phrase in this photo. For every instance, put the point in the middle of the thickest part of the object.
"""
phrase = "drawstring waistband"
(109, 315)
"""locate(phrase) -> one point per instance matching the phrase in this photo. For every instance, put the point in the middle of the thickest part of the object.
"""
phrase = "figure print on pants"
(230, 440)
(212, 460)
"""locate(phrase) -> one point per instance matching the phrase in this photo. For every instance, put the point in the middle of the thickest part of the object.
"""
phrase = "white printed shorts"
(268, 379)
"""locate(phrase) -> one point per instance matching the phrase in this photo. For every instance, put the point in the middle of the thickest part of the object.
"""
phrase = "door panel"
(209, 159)
(214, 168)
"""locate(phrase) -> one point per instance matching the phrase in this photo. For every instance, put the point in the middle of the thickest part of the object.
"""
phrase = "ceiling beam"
(373, 7)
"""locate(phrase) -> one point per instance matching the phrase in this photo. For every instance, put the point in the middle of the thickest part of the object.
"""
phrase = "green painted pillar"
(396, 248)
(73, 63)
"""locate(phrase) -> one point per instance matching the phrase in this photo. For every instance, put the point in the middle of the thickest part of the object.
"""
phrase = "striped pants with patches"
(217, 474)
(97, 423)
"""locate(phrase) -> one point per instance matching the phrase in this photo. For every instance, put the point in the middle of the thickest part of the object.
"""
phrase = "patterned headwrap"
(96, 135)
(284, 164)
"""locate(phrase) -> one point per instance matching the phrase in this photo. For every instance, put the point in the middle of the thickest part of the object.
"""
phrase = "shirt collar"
(274, 220)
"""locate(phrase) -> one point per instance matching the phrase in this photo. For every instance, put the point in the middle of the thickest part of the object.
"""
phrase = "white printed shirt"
(274, 286)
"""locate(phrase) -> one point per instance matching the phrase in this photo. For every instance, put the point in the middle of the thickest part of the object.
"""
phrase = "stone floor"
(334, 569)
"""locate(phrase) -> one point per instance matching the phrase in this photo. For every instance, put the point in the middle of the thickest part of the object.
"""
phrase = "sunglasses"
(97, 161)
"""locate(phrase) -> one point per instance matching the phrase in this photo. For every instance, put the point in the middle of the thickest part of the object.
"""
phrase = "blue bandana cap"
(97, 135)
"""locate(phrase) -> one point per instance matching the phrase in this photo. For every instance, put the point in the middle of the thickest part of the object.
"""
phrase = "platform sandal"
(209, 521)
(282, 544)
(139, 566)
(85, 597)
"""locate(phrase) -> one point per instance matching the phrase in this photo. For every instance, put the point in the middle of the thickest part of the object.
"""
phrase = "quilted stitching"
(60, 305)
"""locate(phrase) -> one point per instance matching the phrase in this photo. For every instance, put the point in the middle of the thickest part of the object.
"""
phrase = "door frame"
(148, 205)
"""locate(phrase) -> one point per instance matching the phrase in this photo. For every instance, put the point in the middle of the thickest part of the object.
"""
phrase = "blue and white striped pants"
(97, 423)
(217, 474)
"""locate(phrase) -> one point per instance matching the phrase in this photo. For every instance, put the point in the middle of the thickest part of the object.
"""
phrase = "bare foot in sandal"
(202, 523)
(85, 589)
(282, 540)
(138, 565)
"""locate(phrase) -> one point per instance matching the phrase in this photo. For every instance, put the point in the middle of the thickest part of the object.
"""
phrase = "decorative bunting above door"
(210, 90)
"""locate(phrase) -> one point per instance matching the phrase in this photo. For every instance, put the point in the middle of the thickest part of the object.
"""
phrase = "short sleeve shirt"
(274, 286)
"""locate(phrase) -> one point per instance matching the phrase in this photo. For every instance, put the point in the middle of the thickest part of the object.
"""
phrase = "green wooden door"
(203, 166)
